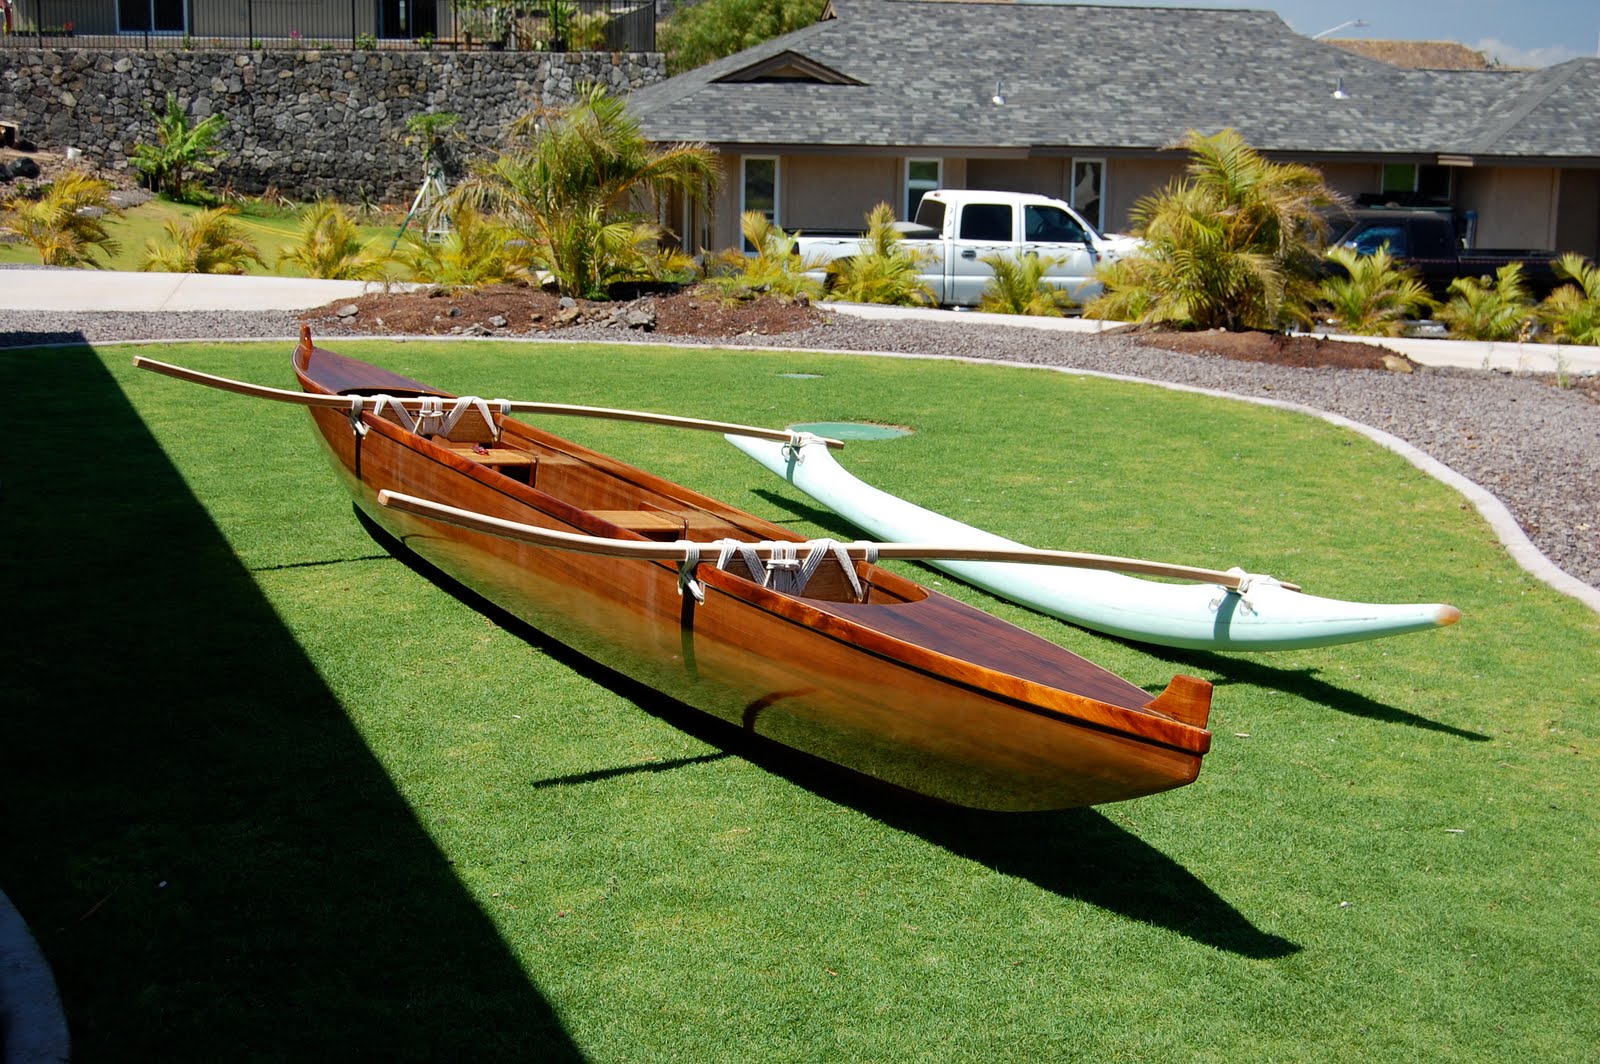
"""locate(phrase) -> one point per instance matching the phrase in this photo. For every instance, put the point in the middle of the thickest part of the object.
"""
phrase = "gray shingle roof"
(1088, 77)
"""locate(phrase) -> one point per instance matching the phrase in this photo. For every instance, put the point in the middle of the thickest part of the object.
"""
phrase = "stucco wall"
(311, 123)
(837, 192)
(1516, 207)
(1578, 212)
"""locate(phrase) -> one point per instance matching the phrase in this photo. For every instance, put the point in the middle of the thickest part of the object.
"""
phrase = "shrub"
(1572, 312)
(771, 267)
(886, 271)
(474, 253)
(1374, 297)
(1019, 287)
(329, 246)
(64, 222)
(208, 242)
(182, 147)
(1480, 309)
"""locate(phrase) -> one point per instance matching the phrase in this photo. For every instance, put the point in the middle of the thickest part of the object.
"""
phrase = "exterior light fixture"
(999, 97)
(1338, 91)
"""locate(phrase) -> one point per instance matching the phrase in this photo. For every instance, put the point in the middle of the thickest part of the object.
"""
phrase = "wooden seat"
(652, 524)
(490, 456)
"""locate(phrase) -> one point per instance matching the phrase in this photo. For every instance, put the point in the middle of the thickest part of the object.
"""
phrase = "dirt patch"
(513, 310)
(1279, 350)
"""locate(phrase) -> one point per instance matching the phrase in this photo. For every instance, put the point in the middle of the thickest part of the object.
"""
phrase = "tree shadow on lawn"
(1076, 853)
(1301, 682)
(214, 863)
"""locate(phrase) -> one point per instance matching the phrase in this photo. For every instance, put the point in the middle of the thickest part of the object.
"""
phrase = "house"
(881, 100)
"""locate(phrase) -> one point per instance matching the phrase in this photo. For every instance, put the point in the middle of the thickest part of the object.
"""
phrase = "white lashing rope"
(432, 418)
(786, 571)
(1246, 582)
(686, 578)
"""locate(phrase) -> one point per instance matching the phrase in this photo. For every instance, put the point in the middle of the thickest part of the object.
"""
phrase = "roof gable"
(788, 67)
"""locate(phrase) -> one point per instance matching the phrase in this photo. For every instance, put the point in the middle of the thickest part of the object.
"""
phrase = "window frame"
(1098, 222)
(907, 187)
(744, 190)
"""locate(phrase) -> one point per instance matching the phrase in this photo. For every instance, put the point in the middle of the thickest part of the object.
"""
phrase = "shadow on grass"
(1304, 683)
(1301, 682)
(1077, 853)
(213, 862)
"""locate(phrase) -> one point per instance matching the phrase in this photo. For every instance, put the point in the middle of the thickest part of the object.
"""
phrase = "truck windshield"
(1374, 238)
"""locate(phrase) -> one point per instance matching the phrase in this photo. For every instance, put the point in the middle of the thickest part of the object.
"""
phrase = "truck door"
(982, 229)
(1051, 232)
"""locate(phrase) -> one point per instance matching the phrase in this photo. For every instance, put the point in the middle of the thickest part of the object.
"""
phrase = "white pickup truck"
(957, 228)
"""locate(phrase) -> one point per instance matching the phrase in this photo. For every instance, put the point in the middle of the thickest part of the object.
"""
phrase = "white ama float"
(1261, 614)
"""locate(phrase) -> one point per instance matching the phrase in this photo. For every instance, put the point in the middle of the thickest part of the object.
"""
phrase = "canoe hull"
(1194, 616)
(815, 676)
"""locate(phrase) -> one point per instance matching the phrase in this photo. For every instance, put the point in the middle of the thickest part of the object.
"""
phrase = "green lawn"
(270, 232)
(272, 794)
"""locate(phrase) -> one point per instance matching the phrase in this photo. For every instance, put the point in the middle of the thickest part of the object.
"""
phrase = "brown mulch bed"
(1278, 349)
(517, 310)
(514, 310)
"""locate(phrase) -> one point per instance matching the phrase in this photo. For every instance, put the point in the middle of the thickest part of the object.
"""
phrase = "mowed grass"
(274, 794)
(271, 232)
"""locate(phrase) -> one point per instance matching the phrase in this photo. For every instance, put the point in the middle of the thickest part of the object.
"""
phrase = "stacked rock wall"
(310, 123)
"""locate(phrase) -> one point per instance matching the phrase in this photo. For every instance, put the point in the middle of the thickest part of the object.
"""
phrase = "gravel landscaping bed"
(1534, 446)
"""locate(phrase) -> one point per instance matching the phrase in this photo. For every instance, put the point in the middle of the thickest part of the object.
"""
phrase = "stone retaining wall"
(308, 122)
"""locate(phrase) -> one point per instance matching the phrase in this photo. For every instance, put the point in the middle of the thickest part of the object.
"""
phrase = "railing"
(359, 25)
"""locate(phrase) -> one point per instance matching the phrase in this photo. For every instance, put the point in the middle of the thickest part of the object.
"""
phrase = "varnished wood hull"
(910, 687)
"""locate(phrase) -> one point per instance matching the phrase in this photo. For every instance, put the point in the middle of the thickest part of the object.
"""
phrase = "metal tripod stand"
(428, 197)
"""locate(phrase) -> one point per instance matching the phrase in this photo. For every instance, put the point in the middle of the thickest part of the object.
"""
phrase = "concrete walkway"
(103, 290)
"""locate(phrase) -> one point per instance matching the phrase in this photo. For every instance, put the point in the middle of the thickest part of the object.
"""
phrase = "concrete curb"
(33, 1027)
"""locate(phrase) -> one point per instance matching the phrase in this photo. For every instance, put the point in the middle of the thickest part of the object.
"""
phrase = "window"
(150, 16)
(758, 191)
(1434, 183)
(1400, 177)
(1088, 183)
(922, 175)
(986, 221)
(1051, 225)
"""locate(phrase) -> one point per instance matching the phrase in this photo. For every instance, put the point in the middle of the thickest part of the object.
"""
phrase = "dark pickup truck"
(1428, 242)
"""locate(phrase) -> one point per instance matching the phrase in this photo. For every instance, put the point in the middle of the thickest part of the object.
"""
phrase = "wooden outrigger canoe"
(861, 666)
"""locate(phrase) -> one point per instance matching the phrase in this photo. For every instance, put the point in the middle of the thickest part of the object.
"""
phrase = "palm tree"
(1374, 297)
(208, 242)
(1481, 309)
(573, 172)
(886, 271)
(772, 266)
(474, 253)
(66, 224)
(329, 246)
(1573, 311)
(181, 146)
(1227, 246)
(1019, 287)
